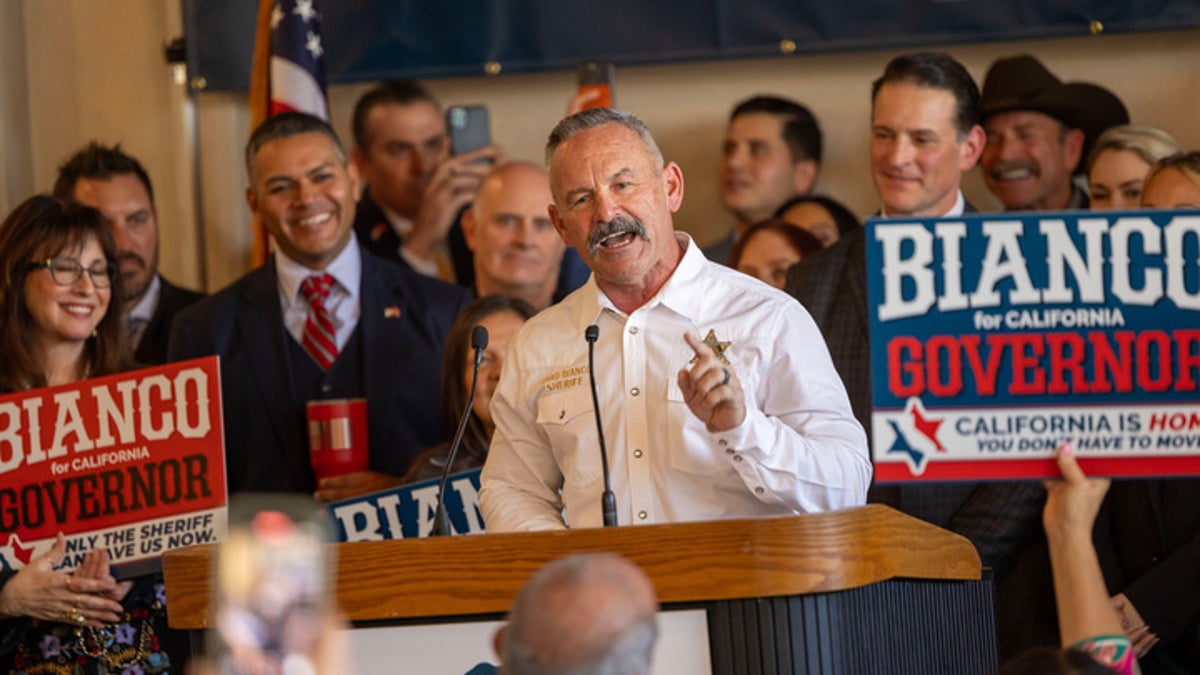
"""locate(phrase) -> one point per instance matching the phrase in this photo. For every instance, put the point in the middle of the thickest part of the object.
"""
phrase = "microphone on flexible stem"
(608, 502)
(441, 519)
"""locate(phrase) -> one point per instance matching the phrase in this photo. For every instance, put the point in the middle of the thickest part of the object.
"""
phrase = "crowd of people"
(722, 396)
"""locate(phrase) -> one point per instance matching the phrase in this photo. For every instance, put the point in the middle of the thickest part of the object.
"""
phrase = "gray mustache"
(618, 225)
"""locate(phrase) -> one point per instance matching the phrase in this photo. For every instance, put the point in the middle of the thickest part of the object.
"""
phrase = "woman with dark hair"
(61, 324)
(501, 316)
(769, 248)
(57, 329)
(823, 217)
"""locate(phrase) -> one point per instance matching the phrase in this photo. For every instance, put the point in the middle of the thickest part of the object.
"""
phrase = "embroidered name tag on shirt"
(565, 378)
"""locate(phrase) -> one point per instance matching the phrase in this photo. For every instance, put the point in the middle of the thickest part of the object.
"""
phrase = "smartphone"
(272, 586)
(469, 128)
(598, 76)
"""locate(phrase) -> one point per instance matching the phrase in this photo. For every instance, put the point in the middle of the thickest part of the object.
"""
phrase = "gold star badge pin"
(716, 345)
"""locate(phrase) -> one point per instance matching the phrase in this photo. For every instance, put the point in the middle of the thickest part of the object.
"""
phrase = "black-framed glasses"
(67, 271)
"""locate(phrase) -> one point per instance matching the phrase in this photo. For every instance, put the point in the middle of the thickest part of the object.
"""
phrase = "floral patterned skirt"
(134, 645)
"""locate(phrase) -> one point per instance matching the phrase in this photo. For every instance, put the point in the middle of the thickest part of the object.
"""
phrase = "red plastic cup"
(337, 436)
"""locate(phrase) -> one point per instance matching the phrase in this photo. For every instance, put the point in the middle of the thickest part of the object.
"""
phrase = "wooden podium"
(863, 590)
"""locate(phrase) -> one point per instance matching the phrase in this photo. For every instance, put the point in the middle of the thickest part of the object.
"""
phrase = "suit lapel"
(383, 324)
(263, 333)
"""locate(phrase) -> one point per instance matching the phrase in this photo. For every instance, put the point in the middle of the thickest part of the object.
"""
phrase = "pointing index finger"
(697, 345)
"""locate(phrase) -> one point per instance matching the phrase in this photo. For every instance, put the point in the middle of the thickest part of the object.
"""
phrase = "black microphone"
(608, 502)
(441, 519)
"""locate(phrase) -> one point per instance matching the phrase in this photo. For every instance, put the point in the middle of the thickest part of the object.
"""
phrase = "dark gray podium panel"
(895, 627)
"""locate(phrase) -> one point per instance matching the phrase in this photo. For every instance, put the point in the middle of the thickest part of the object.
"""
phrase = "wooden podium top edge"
(688, 562)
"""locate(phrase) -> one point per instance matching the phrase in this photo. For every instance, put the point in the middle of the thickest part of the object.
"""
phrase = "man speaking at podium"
(716, 393)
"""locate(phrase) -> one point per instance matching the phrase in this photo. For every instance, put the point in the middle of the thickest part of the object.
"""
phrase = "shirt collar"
(346, 270)
(399, 223)
(960, 207)
(144, 309)
(673, 293)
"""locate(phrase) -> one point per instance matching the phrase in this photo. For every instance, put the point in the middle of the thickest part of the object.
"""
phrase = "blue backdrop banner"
(367, 40)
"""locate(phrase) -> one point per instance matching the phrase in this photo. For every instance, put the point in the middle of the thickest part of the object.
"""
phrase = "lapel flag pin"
(392, 312)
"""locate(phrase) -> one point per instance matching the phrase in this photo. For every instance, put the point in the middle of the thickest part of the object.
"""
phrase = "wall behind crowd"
(90, 76)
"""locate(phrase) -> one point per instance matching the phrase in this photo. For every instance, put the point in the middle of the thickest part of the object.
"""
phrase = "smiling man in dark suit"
(925, 134)
(115, 183)
(323, 319)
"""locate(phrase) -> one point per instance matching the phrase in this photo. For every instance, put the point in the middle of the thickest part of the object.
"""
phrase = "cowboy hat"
(1023, 83)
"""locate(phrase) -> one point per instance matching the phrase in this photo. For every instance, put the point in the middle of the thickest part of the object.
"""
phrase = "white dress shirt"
(960, 207)
(799, 448)
(344, 301)
(139, 316)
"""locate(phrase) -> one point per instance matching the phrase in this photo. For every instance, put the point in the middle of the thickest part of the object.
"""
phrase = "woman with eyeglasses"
(61, 324)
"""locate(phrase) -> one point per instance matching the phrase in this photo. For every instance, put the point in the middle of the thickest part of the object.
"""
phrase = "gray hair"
(1149, 143)
(596, 117)
(544, 636)
(629, 654)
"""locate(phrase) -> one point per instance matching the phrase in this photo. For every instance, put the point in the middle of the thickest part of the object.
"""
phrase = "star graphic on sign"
(304, 9)
(927, 426)
(716, 345)
(314, 45)
(20, 552)
(276, 16)
(901, 445)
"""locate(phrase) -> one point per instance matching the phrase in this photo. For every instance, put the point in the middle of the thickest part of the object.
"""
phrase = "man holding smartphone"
(415, 188)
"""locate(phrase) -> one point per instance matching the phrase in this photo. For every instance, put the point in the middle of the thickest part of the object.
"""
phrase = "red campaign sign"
(134, 463)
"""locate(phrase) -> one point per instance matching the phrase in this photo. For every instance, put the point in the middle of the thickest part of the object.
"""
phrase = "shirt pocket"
(690, 448)
(569, 421)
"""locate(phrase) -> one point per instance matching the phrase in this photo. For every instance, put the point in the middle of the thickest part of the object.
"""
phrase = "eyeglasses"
(67, 271)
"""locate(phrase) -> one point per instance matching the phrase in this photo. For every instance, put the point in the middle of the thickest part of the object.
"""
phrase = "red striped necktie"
(320, 336)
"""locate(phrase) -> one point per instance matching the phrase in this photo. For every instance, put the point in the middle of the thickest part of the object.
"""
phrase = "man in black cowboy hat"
(1039, 131)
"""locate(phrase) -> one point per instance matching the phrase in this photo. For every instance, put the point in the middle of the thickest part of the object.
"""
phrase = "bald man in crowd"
(586, 613)
(517, 252)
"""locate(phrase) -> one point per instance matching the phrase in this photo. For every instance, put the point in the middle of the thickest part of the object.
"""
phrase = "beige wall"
(92, 77)
(686, 105)
(16, 168)
(95, 70)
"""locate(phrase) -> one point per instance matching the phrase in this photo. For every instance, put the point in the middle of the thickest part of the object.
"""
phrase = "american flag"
(289, 73)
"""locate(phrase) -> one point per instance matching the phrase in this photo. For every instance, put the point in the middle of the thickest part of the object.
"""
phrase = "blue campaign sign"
(407, 511)
(995, 337)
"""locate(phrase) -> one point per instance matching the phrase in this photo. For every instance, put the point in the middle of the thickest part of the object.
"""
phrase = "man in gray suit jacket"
(925, 134)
